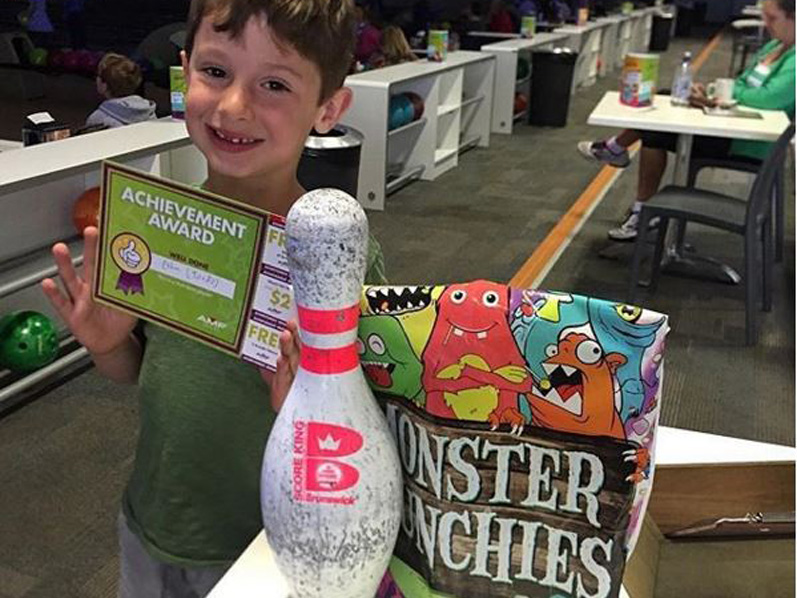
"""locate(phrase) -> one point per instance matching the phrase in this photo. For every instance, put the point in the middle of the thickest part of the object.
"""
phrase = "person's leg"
(652, 164)
(140, 576)
(198, 582)
(612, 151)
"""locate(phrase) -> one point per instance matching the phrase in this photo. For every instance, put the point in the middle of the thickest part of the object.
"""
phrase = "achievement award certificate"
(203, 265)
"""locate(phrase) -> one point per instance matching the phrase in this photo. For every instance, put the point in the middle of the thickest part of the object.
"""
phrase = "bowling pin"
(331, 485)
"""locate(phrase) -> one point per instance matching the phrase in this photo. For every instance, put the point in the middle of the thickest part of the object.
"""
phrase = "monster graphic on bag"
(525, 422)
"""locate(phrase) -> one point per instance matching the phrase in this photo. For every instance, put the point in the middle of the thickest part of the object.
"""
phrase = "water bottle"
(682, 82)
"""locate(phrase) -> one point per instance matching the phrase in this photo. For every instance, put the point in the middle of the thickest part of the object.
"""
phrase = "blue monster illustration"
(537, 323)
(620, 330)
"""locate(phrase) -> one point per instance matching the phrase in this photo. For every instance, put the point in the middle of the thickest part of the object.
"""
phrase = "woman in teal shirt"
(768, 84)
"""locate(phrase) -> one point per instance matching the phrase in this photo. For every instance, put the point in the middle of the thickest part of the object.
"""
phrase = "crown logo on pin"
(328, 443)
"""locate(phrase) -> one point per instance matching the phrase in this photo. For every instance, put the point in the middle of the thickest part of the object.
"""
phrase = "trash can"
(660, 33)
(331, 160)
(551, 83)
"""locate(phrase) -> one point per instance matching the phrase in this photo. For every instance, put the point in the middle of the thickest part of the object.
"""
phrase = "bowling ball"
(417, 104)
(55, 59)
(521, 103)
(85, 62)
(523, 68)
(400, 111)
(72, 60)
(28, 341)
(86, 210)
(38, 57)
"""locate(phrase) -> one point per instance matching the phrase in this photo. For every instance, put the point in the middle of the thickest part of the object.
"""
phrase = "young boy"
(261, 75)
(118, 79)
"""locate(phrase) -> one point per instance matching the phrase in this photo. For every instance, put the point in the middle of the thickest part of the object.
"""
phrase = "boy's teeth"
(234, 139)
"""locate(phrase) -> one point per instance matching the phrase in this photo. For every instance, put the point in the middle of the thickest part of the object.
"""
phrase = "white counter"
(255, 574)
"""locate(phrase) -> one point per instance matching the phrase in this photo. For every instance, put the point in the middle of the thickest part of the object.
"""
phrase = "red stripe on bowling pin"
(323, 321)
(329, 361)
(329, 322)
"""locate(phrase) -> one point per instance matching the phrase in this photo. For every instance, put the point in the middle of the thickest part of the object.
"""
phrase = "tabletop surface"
(61, 157)
(513, 45)
(417, 68)
(255, 571)
(664, 117)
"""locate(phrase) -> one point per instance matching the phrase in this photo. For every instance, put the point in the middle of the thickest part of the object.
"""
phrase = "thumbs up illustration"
(129, 254)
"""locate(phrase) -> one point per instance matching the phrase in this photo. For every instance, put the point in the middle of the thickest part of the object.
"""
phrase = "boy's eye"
(214, 72)
(277, 86)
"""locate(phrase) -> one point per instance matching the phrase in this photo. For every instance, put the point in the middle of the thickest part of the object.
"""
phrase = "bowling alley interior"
(614, 150)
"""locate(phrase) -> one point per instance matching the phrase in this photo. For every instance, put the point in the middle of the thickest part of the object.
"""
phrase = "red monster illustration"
(473, 369)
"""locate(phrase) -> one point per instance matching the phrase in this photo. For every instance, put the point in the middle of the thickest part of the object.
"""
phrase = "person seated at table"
(768, 84)
(118, 79)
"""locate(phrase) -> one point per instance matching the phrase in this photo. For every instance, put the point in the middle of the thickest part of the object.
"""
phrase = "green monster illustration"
(388, 360)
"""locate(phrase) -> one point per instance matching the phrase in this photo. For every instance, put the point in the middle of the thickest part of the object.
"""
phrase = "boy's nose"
(235, 102)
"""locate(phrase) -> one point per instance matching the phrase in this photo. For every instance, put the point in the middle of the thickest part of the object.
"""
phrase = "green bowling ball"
(523, 68)
(38, 57)
(28, 341)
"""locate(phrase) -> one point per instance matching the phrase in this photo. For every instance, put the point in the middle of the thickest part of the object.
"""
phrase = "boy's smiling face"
(251, 103)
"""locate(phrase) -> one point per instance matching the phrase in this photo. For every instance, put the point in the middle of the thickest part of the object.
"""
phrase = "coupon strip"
(272, 305)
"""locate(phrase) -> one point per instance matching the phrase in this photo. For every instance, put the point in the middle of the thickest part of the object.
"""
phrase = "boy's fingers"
(66, 269)
(89, 252)
(266, 375)
(286, 342)
(61, 304)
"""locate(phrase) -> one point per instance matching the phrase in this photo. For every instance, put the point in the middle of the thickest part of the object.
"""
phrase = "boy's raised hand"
(287, 365)
(98, 328)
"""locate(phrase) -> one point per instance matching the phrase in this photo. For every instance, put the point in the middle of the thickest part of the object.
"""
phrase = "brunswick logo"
(320, 474)
(212, 322)
(328, 443)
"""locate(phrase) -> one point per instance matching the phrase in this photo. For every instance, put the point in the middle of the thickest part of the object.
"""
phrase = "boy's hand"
(98, 328)
(287, 365)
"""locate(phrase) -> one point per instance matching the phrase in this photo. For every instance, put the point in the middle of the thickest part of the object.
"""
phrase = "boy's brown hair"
(320, 30)
(120, 74)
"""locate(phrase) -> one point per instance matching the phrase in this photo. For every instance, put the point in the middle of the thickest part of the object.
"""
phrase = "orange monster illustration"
(582, 377)
(473, 369)
(581, 399)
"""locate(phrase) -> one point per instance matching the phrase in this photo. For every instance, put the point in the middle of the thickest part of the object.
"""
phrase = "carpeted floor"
(64, 458)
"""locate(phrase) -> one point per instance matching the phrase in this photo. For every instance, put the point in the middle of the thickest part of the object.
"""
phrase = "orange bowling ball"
(86, 209)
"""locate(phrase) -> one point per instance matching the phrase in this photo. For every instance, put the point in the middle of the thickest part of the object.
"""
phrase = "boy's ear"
(184, 62)
(332, 110)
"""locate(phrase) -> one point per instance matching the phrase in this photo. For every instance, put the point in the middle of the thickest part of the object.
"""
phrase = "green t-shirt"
(767, 89)
(194, 495)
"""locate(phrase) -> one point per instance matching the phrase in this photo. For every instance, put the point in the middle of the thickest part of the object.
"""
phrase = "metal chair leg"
(658, 254)
(767, 257)
(778, 214)
(636, 259)
(750, 278)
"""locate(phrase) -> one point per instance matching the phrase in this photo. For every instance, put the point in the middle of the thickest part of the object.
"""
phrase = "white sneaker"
(597, 151)
(627, 231)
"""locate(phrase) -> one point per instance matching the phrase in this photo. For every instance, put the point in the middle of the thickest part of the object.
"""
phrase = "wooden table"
(255, 573)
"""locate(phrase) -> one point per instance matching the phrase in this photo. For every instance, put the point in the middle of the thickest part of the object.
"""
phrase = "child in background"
(118, 79)
(261, 74)
(369, 37)
(395, 48)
